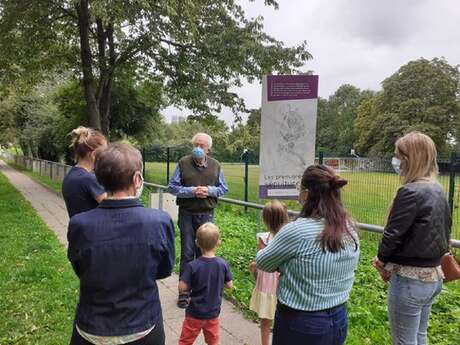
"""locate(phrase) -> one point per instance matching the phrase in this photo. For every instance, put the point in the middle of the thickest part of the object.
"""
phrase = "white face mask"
(141, 188)
(396, 163)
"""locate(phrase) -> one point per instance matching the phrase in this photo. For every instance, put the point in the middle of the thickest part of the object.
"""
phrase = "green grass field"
(38, 291)
(367, 195)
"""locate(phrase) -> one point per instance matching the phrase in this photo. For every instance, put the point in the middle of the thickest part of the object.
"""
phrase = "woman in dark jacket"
(415, 238)
(118, 251)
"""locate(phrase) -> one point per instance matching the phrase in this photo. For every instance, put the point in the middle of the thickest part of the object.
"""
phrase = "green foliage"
(199, 50)
(246, 136)
(335, 132)
(38, 290)
(422, 95)
(40, 121)
(34, 120)
(8, 133)
(135, 109)
(178, 137)
(367, 124)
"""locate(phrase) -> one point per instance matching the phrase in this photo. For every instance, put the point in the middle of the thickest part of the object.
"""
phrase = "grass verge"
(38, 290)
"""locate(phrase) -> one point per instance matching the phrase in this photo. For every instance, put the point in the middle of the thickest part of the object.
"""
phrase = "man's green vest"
(193, 176)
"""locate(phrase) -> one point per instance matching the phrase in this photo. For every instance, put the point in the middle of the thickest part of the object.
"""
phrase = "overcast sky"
(358, 42)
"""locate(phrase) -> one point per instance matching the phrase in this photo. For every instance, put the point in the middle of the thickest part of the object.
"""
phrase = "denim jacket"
(118, 251)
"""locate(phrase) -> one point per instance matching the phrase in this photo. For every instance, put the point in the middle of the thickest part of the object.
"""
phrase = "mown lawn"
(367, 195)
(36, 280)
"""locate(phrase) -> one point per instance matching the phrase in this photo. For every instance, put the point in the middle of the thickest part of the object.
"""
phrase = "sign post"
(287, 134)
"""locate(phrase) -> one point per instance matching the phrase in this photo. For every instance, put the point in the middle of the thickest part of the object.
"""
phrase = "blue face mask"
(198, 153)
(396, 163)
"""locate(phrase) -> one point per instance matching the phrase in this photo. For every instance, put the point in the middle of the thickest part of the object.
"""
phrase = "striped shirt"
(310, 279)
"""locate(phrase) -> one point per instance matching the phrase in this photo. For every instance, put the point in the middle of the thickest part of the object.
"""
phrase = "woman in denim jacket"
(118, 251)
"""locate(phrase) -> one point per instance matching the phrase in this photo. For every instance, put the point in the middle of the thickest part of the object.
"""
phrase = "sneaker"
(182, 300)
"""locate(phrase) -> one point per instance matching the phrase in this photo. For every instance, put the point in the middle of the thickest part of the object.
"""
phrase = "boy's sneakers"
(182, 300)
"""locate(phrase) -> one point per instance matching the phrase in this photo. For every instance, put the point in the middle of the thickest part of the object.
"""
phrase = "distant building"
(177, 118)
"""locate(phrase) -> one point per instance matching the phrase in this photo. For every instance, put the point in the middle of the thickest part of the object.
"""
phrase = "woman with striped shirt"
(317, 255)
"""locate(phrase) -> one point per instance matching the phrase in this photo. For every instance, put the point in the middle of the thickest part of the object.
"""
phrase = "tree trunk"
(107, 82)
(104, 105)
(87, 62)
(101, 45)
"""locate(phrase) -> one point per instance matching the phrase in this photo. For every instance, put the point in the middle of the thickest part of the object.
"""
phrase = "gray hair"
(208, 137)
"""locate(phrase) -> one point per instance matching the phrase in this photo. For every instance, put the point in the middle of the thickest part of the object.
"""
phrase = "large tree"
(335, 131)
(199, 49)
(246, 137)
(422, 95)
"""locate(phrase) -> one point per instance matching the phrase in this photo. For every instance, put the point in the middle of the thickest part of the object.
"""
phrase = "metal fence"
(372, 183)
(53, 170)
(56, 171)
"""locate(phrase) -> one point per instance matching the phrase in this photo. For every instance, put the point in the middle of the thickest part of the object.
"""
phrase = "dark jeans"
(188, 225)
(155, 337)
(295, 327)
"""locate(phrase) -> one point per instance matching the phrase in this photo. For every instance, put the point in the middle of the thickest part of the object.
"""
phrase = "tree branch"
(175, 44)
(68, 12)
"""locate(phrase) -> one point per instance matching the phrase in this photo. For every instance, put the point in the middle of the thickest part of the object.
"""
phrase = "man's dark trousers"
(188, 225)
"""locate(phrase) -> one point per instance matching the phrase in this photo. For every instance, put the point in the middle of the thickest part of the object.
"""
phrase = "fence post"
(452, 182)
(160, 199)
(168, 158)
(246, 177)
(320, 157)
(51, 171)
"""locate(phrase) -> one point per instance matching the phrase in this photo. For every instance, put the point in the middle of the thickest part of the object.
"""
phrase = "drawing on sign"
(292, 129)
(287, 133)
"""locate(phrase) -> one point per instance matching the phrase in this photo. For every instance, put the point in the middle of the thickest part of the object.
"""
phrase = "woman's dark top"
(418, 228)
(80, 190)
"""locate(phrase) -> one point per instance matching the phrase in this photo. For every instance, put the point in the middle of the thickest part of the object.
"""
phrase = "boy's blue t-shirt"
(206, 278)
(80, 190)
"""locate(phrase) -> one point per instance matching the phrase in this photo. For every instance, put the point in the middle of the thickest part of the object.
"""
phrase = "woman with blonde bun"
(80, 188)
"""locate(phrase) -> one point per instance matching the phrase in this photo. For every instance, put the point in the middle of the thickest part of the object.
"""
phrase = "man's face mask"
(198, 153)
(141, 188)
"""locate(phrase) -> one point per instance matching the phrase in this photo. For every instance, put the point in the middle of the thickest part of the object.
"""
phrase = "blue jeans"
(188, 225)
(294, 327)
(409, 305)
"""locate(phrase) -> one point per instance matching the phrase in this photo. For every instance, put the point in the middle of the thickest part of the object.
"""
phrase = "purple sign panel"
(288, 87)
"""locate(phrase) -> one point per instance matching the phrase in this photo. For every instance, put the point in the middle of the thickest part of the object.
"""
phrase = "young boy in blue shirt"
(205, 279)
